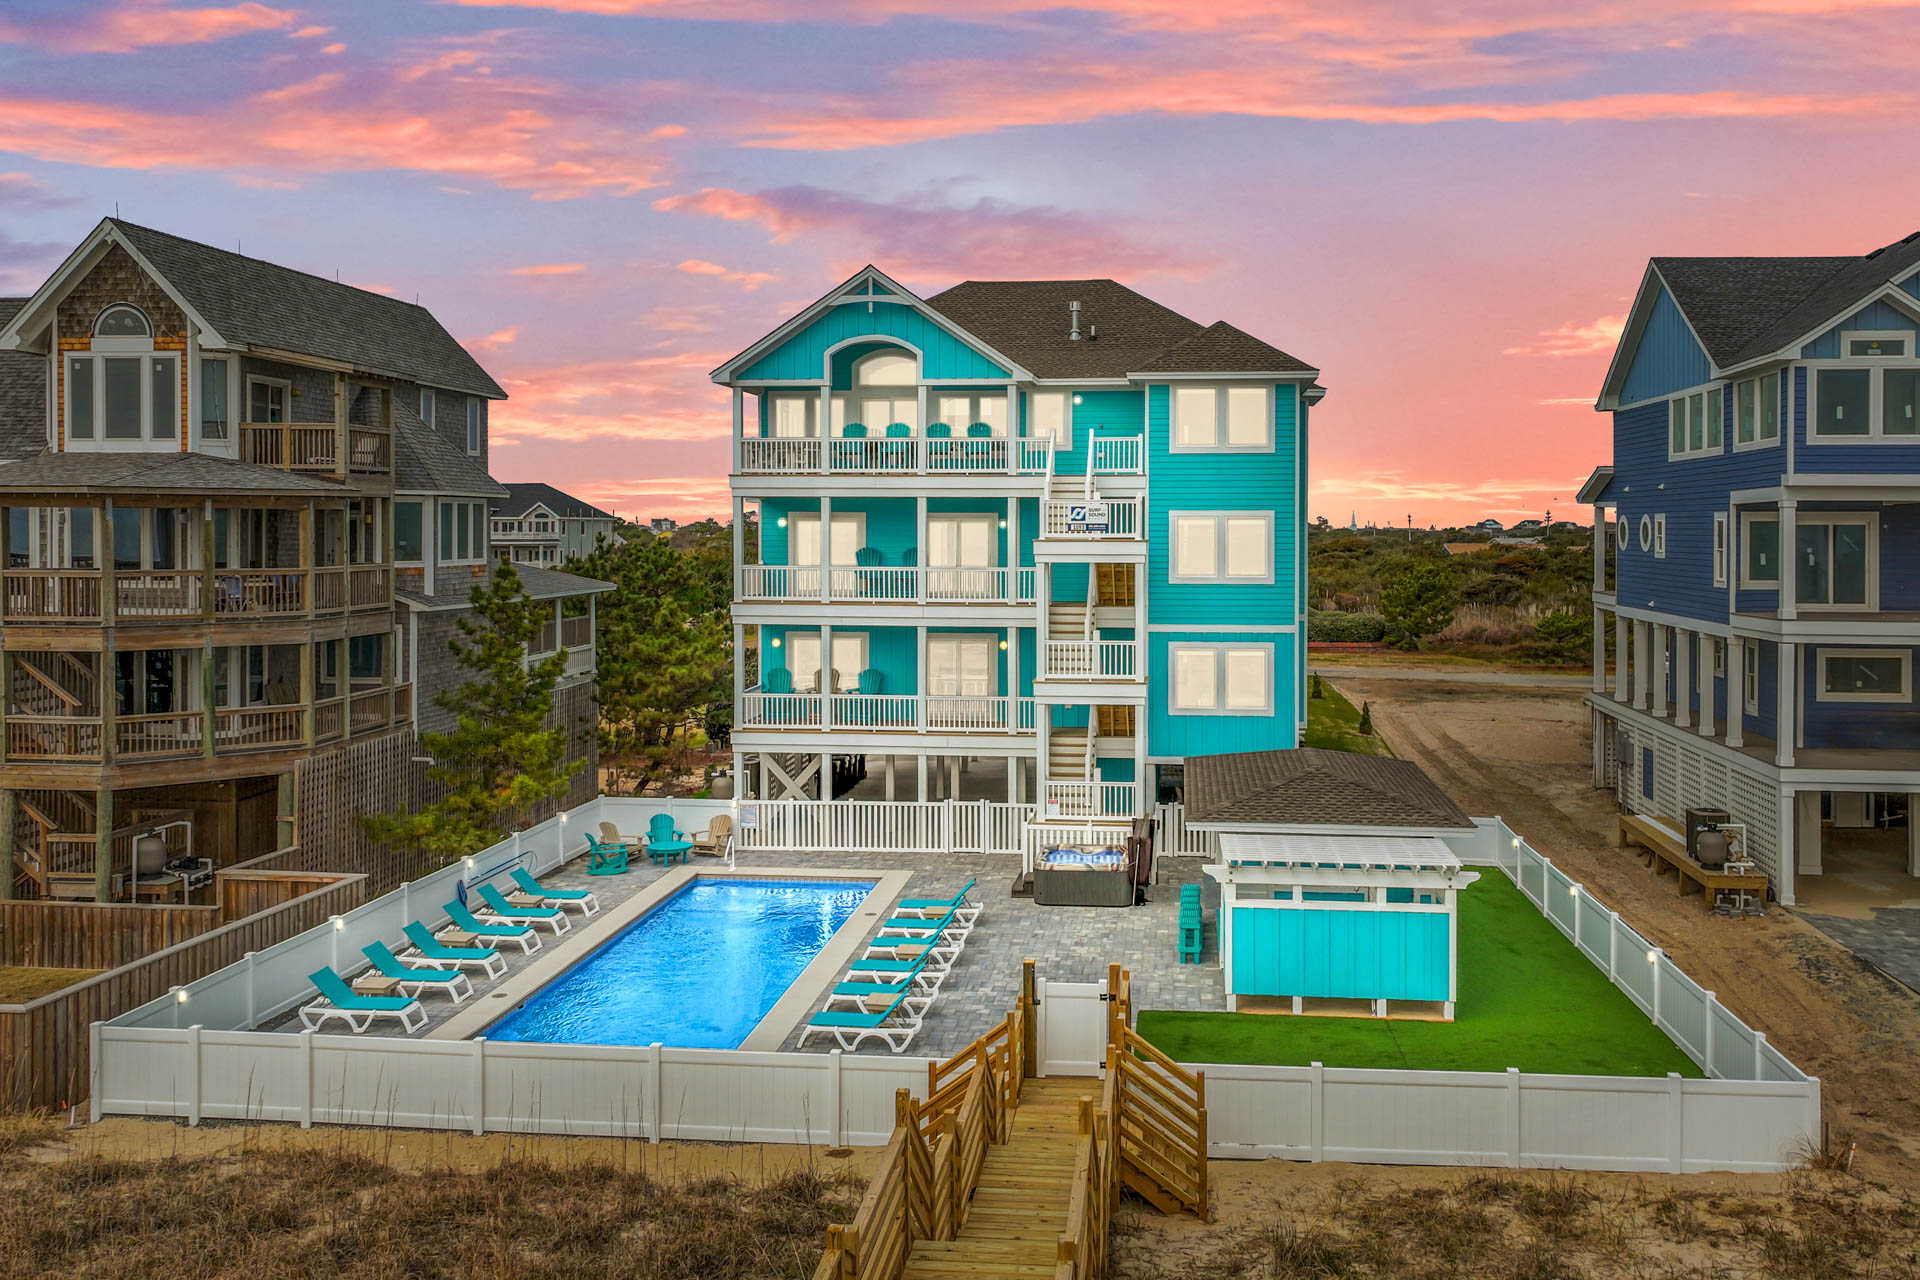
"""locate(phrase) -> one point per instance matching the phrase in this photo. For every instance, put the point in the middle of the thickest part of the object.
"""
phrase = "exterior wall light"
(775, 642)
(1003, 645)
(781, 522)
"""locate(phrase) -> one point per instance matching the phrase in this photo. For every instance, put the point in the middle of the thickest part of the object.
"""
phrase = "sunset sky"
(1445, 208)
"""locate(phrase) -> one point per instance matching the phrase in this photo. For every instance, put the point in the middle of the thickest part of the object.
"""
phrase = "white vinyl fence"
(192, 1054)
(881, 826)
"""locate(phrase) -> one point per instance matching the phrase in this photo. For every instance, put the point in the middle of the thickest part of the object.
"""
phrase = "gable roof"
(23, 395)
(524, 495)
(1308, 786)
(1221, 348)
(424, 461)
(1030, 320)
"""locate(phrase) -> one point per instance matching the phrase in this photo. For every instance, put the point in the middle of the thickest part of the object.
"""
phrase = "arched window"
(122, 321)
(886, 369)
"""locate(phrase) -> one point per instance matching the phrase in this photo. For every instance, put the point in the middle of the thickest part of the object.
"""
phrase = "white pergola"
(1275, 871)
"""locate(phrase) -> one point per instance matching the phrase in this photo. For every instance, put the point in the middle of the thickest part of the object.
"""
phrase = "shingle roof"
(153, 473)
(523, 495)
(424, 461)
(23, 395)
(1309, 786)
(267, 305)
(1221, 348)
(1029, 321)
(1747, 308)
(540, 584)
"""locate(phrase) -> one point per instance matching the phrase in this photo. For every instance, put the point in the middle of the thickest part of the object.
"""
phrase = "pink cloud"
(549, 269)
(552, 141)
(748, 280)
(138, 24)
(311, 33)
(1574, 340)
(922, 237)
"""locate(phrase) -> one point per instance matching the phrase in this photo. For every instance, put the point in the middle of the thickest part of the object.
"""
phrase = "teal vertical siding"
(1173, 737)
(1224, 482)
(1668, 358)
(1365, 955)
(803, 355)
(1115, 768)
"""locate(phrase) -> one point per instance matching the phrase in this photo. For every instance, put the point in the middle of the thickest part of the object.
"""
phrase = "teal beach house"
(1031, 541)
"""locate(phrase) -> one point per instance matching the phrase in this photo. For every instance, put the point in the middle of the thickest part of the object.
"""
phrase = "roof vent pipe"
(1074, 308)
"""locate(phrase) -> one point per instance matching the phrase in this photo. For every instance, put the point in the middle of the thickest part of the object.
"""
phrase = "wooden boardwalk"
(1019, 1210)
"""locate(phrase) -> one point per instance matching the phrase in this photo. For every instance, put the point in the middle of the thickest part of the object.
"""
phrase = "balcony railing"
(506, 528)
(1090, 799)
(1094, 518)
(1119, 455)
(881, 584)
(905, 712)
(315, 447)
(910, 455)
(75, 595)
(1091, 660)
(182, 734)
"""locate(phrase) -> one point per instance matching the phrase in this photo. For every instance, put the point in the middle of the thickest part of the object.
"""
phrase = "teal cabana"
(1337, 880)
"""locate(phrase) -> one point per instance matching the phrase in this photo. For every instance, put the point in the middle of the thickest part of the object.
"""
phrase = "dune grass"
(1334, 723)
(1527, 1000)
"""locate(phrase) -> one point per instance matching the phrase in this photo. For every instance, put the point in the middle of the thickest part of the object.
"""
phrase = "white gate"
(1072, 1028)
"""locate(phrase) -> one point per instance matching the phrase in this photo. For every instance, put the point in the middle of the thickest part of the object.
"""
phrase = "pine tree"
(663, 656)
(1366, 719)
(500, 761)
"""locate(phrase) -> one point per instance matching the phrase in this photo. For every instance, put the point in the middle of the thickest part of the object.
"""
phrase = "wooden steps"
(1019, 1210)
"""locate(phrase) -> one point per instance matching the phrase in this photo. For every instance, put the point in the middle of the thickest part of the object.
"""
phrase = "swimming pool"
(698, 971)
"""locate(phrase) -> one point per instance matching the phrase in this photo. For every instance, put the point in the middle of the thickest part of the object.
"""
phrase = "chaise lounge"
(581, 898)
(338, 1000)
(430, 952)
(417, 980)
(495, 907)
(466, 922)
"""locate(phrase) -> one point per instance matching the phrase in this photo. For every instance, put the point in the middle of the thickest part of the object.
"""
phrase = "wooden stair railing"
(1095, 1191)
(932, 1163)
(1160, 1123)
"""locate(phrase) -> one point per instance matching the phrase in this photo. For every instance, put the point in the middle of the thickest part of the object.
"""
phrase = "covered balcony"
(874, 683)
(879, 551)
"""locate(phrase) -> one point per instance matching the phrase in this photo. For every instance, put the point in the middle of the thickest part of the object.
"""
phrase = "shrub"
(1346, 628)
(1418, 601)
(1366, 719)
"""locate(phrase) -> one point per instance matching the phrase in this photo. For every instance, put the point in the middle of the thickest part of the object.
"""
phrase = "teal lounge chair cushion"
(422, 937)
(497, 903)
(524, 878)
(390, 966)
(341, 996)
(466, 920)
(925, 903)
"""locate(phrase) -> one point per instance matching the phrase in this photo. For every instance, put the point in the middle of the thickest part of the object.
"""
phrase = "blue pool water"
(698, 971)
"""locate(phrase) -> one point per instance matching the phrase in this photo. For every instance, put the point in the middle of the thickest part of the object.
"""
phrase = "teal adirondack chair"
(663, 842)
(899, 455)
(605, 859)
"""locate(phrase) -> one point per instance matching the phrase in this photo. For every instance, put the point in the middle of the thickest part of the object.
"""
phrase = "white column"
(1013, 430)
(739, 544)
(1622, 664)
(920, 677)
(1789, 562)
(920, 779)
(740, 775)
(1707, 697)
(1042, 592)
(826, 555)
(1139, 762)
(1012, 635)
(953, 777)
(1013, 544)
(1599, 548)
(1643, 665)
(920, 554)
(1044, 719)
(1804, 842)
(1786, 698)
(1913, 833)
(1659, 634)
(739, 667)
(739, 432)
(1599, 649)
(888, 758)
(1682, 677)
(826, 421)
(826, 775)
(1736, 690)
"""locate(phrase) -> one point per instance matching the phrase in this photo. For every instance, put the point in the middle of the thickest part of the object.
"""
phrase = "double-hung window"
(1694, 423)
(474, 413)
(1872, 392)
(1865, 675)
(1750, 677)
(1660, 536)
(1719, 548)
(267, 400)
(1220, 546)
(1756, 412)
(1220, 679)
(1222, 419)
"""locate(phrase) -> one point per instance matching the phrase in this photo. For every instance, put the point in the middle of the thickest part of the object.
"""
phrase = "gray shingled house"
(245, 507)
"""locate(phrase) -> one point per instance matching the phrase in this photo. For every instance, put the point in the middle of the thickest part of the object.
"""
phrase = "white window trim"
(1621, 537)
(1722, 547)
(146, 441)
(1759, 401)
(286, 401)
(826, 659)
(1720, 657)
(1646, 533)
(1876, 368)
(859, 519)
(1905, 694)
(1220, 577)
(1850, 336)
(992, 639)
(810, 400)
(1219, 652)
(1660, 536)
(1747, 520)
(477, 538)
(925, 554)
(425, 536)
(1219, 420)
(1829, 518)
(1063, 442)
(977, 401)
(474, 425)
(1750, 678)
(1715, 409)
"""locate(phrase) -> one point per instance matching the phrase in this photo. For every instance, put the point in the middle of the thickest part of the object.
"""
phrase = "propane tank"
(1711, 849)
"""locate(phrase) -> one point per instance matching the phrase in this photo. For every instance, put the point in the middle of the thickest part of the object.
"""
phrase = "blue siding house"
(1032, 540)
(1765, 555)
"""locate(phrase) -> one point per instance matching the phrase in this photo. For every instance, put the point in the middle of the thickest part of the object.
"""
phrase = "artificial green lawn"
(1527, 1000)
(1334, 723)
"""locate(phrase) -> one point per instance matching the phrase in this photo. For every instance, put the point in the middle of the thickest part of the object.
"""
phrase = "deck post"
(1030, 1001)
(103, 834)
(8, 805)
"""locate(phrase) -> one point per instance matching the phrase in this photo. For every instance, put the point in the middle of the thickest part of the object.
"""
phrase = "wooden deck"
(1663, 843)
(1019, 1209)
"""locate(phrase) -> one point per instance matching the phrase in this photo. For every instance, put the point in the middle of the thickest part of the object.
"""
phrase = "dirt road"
(1522, 753)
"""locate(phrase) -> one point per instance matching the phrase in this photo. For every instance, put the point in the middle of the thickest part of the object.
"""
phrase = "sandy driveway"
(1522, 753)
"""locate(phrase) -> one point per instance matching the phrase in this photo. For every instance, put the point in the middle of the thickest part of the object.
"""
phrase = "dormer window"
(122, 321)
